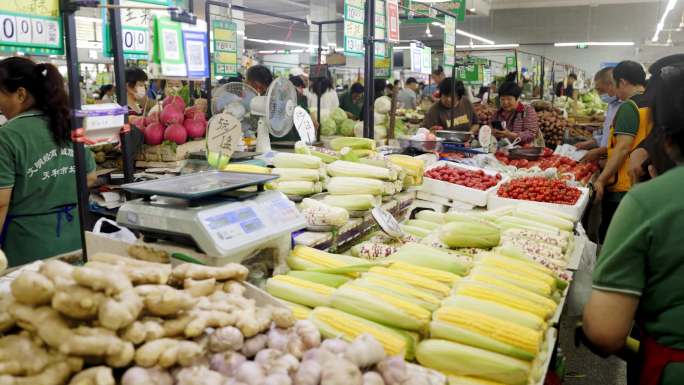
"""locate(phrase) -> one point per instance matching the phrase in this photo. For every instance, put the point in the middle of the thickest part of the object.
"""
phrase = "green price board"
(225, 48)
(135, 28)
(510, 63)
(31, 26)
(169, 53)
(422, 14)
(449, 41)
(470, 74)
(354, 26)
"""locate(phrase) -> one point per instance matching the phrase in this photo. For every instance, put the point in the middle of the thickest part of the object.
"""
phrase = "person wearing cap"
(637, 281)
(407, 97)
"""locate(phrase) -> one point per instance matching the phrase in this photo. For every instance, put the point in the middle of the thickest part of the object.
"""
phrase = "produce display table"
(356, 227)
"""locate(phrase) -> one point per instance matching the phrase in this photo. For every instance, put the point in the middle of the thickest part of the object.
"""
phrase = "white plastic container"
(456, 191)
(576, 211)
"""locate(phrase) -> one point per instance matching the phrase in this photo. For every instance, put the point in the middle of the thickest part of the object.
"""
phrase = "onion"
(195, 128)
(174, 101)
(171, 115)
(176, 133)
(154, 134)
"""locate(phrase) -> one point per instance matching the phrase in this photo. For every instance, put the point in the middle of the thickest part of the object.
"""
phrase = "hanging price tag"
(304, 125)
(485, 137)
(224, 136)
(387, 222)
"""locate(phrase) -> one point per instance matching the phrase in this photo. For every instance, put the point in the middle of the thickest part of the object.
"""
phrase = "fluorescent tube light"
(487, 46)
(659, 27)
(595, 43)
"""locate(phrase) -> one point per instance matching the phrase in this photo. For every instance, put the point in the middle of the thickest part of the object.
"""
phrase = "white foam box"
(455, 191)
(494, 202)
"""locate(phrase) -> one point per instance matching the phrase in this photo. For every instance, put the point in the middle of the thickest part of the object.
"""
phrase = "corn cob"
(427, 300)
(467, 380)
(534, 285)
(294, 187)
(246, 167)
(286, 160)
(327, 156)
(359, 153)
(538, 236)
(415, 231)
(430, 216)
(344, 168)
(299, 291)
(470, 234)
(320, 214)
(413, 166)
(373, 250)
(547, 211)
(298, 311)
(438, 275)
(296, 174)
(495, 280)
(305, 258)
(459, 359)
(431, 257)
(354, 143)
(430, 285)
(528, 269)
(342, 185)
(337, 324)
(455, 216)
(536, 248)
(380, 306)
(356, 202)
(483, 331)
(510, 221)
(423, 224)
(551, 220)
(332, 280)
(488, 292)
(498, 310)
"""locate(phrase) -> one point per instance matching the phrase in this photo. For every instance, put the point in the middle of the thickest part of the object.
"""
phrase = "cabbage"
(399, 127)
(347, 127)
(328, 127)
(338, 115)
(383, 105)
(379, 118)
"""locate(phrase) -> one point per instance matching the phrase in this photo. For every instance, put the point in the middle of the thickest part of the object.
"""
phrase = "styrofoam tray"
(456, 191)
(494, 202)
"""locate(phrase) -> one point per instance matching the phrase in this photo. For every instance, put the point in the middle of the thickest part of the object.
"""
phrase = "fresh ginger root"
(6, 320)
(121, 310)
(167, 352)
(162, 300)
(146, 330)
(82, 341)
(109, 281)
(139, 272)
(193, 323)
(32, 288)
(20, 356)
(201, 288)
(56, 373)
(98, 375)
(231, 271)
(253, 321)
(77, 301)
(59, 272)
(145, 253)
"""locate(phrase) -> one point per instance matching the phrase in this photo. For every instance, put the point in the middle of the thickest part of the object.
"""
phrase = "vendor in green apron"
(38, 214)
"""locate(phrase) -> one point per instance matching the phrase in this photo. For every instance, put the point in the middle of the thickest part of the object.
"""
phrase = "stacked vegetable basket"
(472, 295)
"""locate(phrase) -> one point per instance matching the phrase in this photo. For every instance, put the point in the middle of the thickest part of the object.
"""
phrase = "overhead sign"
(196, 52)
(426, 56)
(425, 12)
(225, 48)
(353, 27)
(135, 29)
(449, 41)
(510, 63)
(169, 52)
(416, 58)
(31, 26)
(353, 34)
(392, 21)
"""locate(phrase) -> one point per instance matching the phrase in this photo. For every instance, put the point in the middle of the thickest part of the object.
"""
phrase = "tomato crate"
(456, 191)
(576, 211)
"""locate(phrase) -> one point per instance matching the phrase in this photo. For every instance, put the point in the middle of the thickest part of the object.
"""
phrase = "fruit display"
(567, 168)
(540, 189)
(173, 123)
(552, 125)
(485, 113)
(478, 180)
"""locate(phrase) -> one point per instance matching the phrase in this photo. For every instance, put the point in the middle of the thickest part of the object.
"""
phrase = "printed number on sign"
(8, 29)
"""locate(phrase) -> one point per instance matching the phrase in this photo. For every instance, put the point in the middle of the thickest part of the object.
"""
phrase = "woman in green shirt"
(638, 276)
(38, 215)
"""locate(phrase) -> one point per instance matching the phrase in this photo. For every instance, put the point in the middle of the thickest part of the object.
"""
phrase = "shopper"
(154, 91)
(136, 92)
(649, 159)
(323, 88)
(632, 124)
(37, 175)
(351, 101)
(441, 114)
(638, 276)
(570, 86)
(259, 77)
(407, 97)
(515, 120)
(598, 145)
(430, 89)
(379, 87)
(106, 94)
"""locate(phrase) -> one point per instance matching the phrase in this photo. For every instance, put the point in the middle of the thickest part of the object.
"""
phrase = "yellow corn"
(315, 258)
(412, 309)
(401, 288)
(299, 291)
(466, 380)
(298, 311)
(491, 279)
(245, 167)
(415, 280)
(499, 295)
(334, 323)
(316, 287)
(492, 327)
(438, 275)
(514, 278)
(521, 267)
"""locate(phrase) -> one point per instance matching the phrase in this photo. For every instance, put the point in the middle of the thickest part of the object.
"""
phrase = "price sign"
(224, 136)
(485, 137)
(392, 20)
(304, 125)
(387, 222)
(225, 48)
(33, 27)
(135, 29)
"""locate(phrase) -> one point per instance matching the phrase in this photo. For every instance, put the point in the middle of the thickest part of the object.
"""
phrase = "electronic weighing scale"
(207, 211)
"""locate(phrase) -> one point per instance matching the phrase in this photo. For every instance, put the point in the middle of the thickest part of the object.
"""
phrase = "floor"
(582, 366)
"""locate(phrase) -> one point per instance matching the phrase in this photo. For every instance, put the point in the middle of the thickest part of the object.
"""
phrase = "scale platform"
(203, 210)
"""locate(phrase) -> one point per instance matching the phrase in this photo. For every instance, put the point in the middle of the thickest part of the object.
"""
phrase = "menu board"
(31, 26)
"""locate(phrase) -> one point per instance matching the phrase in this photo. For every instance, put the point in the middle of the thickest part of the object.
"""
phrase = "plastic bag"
(581, 287)
(111, 229)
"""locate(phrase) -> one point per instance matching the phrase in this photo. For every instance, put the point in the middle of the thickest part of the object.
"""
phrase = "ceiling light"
(473, 36)
(595, 43)
(428, 33)
(487, 46)
(431, 1)
(473, 10)
(659, 27)
(438, 24)
(280, 42)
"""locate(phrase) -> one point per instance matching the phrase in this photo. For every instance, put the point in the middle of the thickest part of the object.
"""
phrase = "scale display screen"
(233, 223)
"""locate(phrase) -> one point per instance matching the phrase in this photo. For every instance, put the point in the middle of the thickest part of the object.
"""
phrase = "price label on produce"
(304, 125)
(387, 222)
(224, 136)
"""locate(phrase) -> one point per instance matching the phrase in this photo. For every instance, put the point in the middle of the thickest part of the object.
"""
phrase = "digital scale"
(207, 211)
